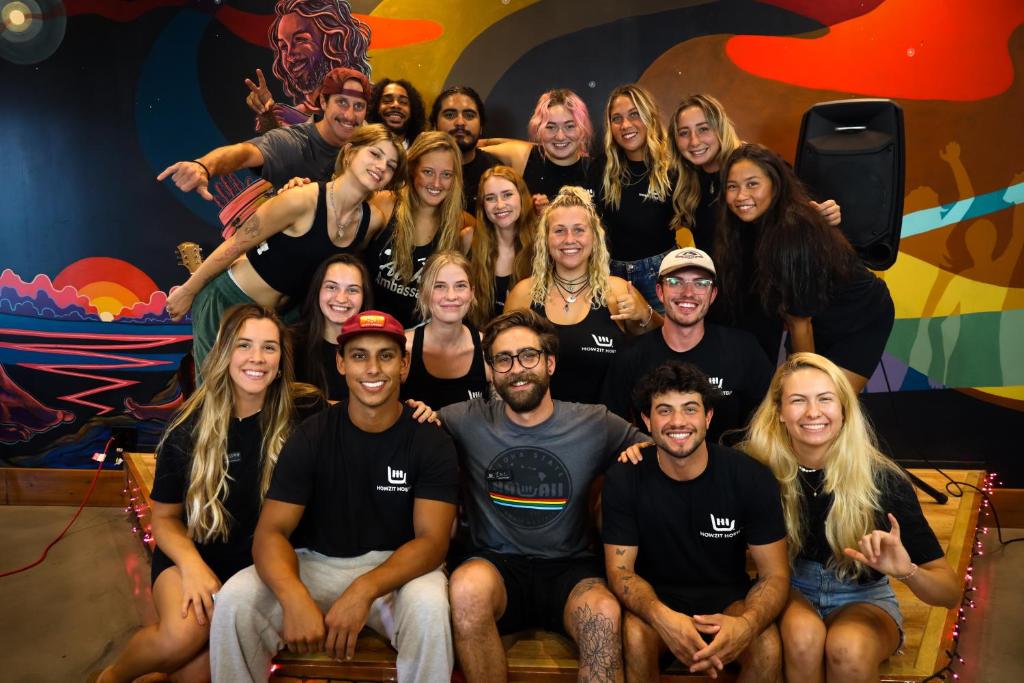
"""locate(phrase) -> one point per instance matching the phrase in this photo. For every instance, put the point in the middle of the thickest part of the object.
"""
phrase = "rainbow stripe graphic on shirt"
(556, 504)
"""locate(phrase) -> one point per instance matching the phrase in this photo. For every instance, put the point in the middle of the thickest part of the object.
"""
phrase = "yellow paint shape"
(1016, 392)
(108, 296)
(427, 64)
(911, 281)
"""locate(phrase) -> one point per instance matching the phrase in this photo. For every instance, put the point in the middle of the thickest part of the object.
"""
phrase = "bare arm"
(198, 581)
(432, 524)
(762, 605)
(512, 153)
(270, 218)
(519, 297)
(196, 175)
(630, 309)
(951, 155)
(801, 333)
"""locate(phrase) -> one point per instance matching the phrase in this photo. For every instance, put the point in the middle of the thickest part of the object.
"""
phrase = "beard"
(311, 77)
(665, 444)
(465, 142)
(523, 401)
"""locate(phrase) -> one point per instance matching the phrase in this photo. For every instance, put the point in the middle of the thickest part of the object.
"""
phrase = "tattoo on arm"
(251, 227)
(597, 638)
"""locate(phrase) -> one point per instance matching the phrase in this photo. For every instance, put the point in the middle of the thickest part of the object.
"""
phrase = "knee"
(851, 654)
(803, 640)
(472, 593)
(180, 641)
(425, 598)
(602, 603)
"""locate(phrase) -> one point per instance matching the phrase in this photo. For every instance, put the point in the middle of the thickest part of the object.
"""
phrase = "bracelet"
(905, 577)
(650, 316)
(203, 166)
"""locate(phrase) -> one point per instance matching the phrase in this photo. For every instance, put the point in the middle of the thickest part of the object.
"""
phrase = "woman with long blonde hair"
(426, 216)
(500, 245)
(852, 520)
(592, 310)
(635, 179)
(213, 468)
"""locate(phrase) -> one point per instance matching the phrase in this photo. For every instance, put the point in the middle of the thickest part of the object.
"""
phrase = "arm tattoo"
(620, 551)
(599, 644)
(251, 227)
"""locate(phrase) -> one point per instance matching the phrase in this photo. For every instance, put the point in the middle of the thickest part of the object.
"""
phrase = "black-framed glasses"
(701, 284)
(528, 358)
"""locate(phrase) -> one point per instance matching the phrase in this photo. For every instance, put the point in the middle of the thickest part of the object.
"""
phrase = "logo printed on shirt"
(396, 476)
(263, 248)
(721, 527)
(602, 341)
(719, 383)
(234, 456)
(535, 490)
(397, 482)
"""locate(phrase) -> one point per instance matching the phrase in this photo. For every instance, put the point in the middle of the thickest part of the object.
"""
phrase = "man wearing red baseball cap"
(306, 150)
(376, 493)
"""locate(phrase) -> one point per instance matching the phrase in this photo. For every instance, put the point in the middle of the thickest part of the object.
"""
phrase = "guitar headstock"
(190, 255)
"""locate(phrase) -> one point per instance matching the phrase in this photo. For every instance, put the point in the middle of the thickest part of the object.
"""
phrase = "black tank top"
(706, 213)
(287, 263)
(547, 178)
(391, 294)
(585, 351)
(438, 392)
(501, 289)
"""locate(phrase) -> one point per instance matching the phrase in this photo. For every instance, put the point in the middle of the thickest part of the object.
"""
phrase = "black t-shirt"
(852, 306)
(705, 215)
(897, 497)
(730, 358)
(471, 173)
(642, 225)
(337, 390)
(171, 481)
(693, 535)
(359, 487)
(390, 293)
(547, 178)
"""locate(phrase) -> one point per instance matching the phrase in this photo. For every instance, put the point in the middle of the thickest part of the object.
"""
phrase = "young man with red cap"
(375, 491)
(307, 150)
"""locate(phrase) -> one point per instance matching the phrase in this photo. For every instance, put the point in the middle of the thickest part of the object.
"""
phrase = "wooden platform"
(540, 656)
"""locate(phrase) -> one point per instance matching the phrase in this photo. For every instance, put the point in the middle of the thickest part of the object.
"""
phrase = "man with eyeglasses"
(528, 463)
(732, 359)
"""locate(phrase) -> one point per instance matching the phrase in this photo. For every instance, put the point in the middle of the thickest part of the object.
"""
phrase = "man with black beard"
(677, 528)
(528, 463)
(460, 112)
(731, 358)
(399, 106)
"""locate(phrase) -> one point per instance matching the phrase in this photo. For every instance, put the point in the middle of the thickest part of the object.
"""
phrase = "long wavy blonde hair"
(483, 251)
(543, 266)
(854, 467)
(656, 155)
(211, 406)
(687, 193)
(449, 213)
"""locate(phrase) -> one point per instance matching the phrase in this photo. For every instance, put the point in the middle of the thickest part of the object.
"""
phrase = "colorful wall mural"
(100, 95)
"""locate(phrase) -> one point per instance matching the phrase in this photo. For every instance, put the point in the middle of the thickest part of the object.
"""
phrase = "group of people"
(481, 336)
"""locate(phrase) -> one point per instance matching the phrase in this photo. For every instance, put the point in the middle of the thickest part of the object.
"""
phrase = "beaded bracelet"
(650, 316)
(905, 577)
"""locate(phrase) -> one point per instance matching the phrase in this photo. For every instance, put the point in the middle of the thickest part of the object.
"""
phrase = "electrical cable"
(92, 487)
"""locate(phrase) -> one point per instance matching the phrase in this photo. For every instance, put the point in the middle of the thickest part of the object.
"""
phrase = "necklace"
(629, 180)
(342, 226)
(573, 288)
(571, 299)
(806, 476)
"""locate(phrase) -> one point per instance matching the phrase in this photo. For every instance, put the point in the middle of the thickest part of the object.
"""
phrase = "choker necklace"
(806, 474)
(573, 288)
(342, 226)
(806, 470)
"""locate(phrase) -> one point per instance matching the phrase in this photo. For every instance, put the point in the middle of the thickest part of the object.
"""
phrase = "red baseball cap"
(372, 322)
(335, 80)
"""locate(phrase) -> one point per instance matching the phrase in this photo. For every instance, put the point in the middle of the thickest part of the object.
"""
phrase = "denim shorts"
(643, 274)
(827, 593)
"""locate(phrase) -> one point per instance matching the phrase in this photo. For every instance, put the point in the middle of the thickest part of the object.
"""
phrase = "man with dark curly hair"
(399, 106)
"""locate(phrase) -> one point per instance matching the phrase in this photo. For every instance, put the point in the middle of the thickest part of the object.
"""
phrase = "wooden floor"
(537, 656)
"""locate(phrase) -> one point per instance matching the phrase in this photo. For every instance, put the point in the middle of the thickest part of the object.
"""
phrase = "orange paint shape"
(103, 269)
(387, 33)
(949, 50)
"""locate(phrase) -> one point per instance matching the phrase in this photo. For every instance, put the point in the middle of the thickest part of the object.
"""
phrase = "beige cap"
(690, 257)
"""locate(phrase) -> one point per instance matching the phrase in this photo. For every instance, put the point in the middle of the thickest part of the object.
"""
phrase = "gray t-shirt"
(295, 151)
(527, 488)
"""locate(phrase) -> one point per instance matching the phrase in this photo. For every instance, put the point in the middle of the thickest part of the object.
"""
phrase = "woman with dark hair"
(704, 137)
(853, 523)
(778, 259)
(213, 468)
(446, 363)
(271, 258)
(634, 178)
(340, 289)
(500, 245)
(557, 153)
(426, 216)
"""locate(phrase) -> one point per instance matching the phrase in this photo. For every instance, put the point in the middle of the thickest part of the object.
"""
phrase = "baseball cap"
(334, 83)
(688, 257)
(372, 322)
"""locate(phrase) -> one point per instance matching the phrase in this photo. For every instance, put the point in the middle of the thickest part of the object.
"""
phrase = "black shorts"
(537, 589)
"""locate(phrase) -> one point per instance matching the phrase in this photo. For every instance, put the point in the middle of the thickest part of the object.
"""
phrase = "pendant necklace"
(342, 226)
(805, 476)
(573, 288)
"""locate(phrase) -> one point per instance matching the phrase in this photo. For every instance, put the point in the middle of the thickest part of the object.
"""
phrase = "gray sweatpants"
(246, 629)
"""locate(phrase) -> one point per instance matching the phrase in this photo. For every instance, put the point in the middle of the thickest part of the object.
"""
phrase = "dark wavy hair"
(417, 113)
(524, 317)
(345, 41)
(435, 110)
(797, 258)
(686, 378)
(309, 331)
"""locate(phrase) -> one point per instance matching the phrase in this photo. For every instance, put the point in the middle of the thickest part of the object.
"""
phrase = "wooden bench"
(542, 656)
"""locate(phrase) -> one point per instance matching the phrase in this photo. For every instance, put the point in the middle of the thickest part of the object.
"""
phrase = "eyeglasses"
(528, 358)
(702, 284)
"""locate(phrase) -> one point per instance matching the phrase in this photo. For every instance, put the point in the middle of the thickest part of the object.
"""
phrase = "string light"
(138, 510)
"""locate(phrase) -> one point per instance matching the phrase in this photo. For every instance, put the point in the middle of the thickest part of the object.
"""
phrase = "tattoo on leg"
(584, 586)
(599, 645)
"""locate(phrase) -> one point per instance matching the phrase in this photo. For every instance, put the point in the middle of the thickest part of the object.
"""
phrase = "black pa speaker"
(853, 151)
